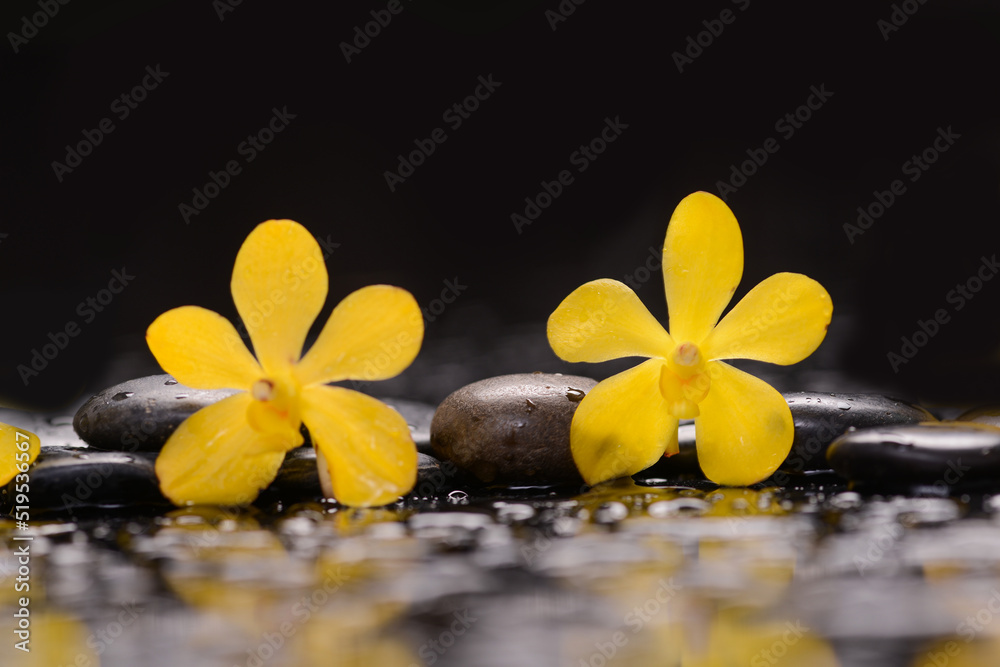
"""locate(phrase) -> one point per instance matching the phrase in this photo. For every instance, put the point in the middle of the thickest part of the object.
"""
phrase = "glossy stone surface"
(140, 414)
(511, 429)
(822, 417)
(939, 456)
(65, 479)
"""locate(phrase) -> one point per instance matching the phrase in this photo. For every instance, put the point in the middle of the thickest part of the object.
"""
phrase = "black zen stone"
(822, 417)
(942, 455)
(65, 478)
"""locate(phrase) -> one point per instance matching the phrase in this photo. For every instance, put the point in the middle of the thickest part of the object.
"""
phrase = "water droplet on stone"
(170, 381)
(843, 405)
(458, 498)
(575, 395)
(122, 395)
(181, 396)
(529, 405)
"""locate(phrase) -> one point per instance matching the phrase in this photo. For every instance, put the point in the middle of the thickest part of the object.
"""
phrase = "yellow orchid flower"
(227, 452)
(743, 426)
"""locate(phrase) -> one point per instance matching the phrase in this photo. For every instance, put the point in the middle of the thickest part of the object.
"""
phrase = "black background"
(452, 218)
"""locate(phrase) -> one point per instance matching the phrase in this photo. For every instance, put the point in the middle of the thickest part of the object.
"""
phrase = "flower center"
(275, 408)
(684, 381)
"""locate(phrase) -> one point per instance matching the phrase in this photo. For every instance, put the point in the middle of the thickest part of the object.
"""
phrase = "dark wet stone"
(985, 414)
(511, 429)
(139, 415)
(821, 417)
(418, 416)
(298, 478)
(940, 456)
(66, 478)
(681, 465)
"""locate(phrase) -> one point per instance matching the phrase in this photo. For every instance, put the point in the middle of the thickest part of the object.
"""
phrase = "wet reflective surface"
(657, 573)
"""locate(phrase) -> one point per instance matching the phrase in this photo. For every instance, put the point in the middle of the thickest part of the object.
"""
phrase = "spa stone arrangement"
(253, 508)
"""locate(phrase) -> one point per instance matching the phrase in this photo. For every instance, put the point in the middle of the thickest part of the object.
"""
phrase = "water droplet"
(529, 405)
(458, 498)
(84, 424)
(170, 381)
(181, 396)
(122, 395)
(575, 395)
(843, 405)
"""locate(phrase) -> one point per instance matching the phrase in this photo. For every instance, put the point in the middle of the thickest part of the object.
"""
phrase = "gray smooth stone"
(139, 415)
(943, 455)
(512, 429)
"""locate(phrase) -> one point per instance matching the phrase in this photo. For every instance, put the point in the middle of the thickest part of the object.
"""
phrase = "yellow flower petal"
(373, 334)
(279, 286)
(622, 426)
(214, 457)
(744, 431)
(201, 349)
(18, 449)
(602, 320)
(702, 264)
(370, 454)
(782, 321)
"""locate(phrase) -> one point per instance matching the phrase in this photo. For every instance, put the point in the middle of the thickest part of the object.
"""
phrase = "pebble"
(140, 414)
(822, 417)
(66, 479)
(943, 456)
(511, 429)
(298, 478)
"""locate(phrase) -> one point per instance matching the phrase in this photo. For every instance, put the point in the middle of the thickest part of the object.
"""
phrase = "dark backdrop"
(889, 90)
